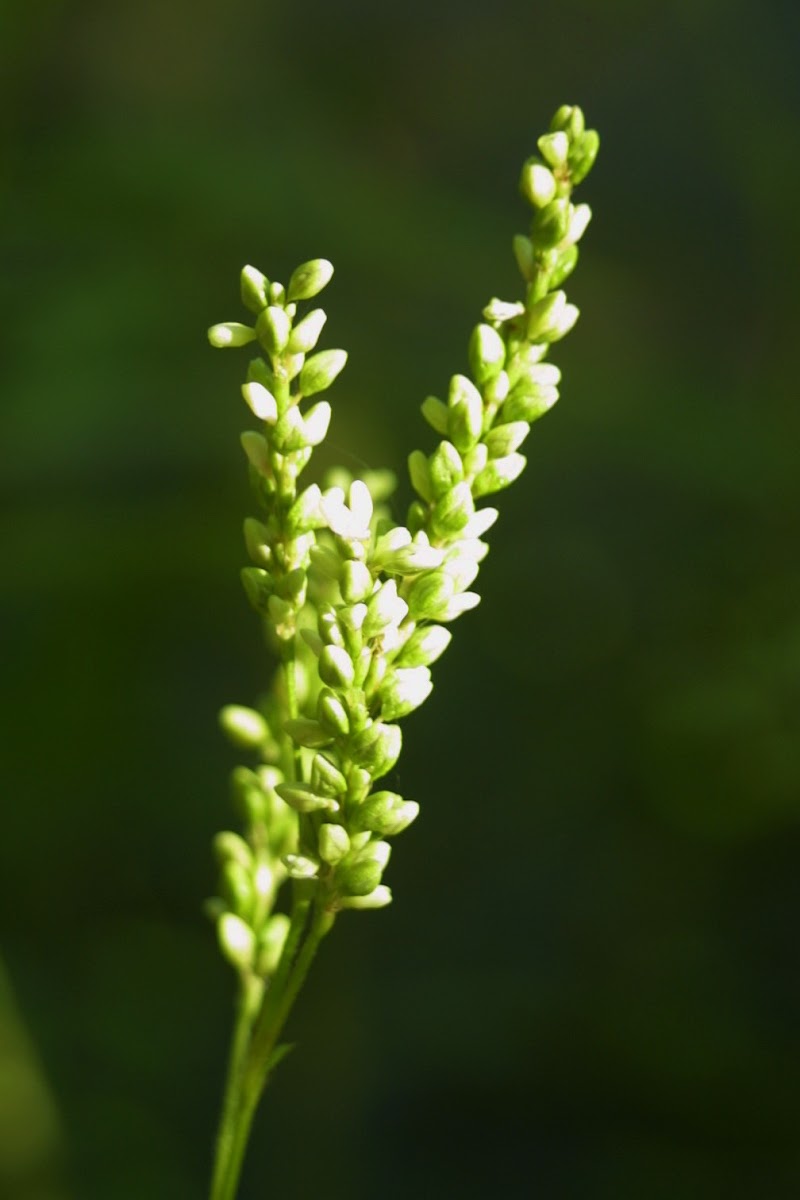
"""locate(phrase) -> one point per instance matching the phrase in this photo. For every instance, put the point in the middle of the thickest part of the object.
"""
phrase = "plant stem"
(247, 1009)
(253, 1050)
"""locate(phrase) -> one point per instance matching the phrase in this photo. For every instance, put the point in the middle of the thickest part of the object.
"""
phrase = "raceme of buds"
(356, 606)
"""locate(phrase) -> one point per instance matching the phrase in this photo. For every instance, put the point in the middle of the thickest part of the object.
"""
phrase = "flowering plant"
(356, 609)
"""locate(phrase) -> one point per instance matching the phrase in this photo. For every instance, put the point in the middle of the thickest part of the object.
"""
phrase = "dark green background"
(588, 985)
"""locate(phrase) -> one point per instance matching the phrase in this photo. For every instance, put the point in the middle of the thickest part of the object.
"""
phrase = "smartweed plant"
(357, 608)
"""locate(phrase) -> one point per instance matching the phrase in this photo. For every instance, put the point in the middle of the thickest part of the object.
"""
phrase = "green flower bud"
(475, 460)
(498, 474)
(529, 406)
(426, 644)
(236, 940)
(249, 796)
(356, 581)
(329, 628)
(257, 539)
(310, 278)
(326, 778)
(230, 333)
(452, 512)
(428, 594)
(273, 328)
(537, 183)
(320, 370)
(300, 867)
(257, 451)
(465, 418)
(497, 389)
(333, 843)
(417, 517)
(292, 587)
(316, 422)
(254, 287)
(305, 334)
(301, 798)
(313, 641)
(259, 372)
(306, 512)
(551, 317)
(554, 148)
(505, 439)
(228, 845)
(244, 726)
(403, 690)
(360, 878)
(564, 266)
(290, 432)
(385, 813)
(377, 747)
(420, 475)
(271, 941)
(445, 469)
(372, 668)
(332, 715)
(435, 413)
(336, 668)
(582, 155)
(236, 886)
(551, 223)
(257, 584)
(293, 364)
(487, 353)
(277, 294)
(304, 732)
(569, 118)
(360, 875)
(523, 253)
(283, 615)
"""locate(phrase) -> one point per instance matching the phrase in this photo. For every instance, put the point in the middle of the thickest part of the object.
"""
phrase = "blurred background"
(588, 984)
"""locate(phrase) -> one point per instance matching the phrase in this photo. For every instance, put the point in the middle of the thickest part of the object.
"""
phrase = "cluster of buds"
(357, 607)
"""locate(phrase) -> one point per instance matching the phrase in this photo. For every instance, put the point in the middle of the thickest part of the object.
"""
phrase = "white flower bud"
(237, 940)
(244, 726)
(230, 333)
(261, 401)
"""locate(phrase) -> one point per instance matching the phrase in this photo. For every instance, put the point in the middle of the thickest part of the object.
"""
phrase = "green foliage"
(356, 606)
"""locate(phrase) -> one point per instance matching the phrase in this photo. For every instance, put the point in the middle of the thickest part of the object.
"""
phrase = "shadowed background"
(588, 983)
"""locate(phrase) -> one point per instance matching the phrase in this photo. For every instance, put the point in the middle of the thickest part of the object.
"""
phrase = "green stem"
(247, 1010)
(248, 1081)
(293, 758)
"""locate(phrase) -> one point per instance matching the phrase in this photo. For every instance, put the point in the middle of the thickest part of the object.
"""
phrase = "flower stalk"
(356, 609)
